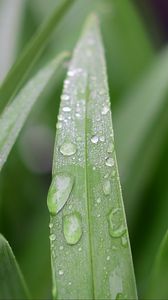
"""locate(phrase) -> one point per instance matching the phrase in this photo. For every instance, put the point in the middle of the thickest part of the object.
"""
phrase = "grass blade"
(10, 19)
(15, 115)
(139, 146)
(12, 285)
(19, 71)
(158, 288)
(90, 251)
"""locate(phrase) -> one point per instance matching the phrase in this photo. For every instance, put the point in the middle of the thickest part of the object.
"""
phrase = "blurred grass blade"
(15, 115)
(90, 251)
(21, 68)
(12, 285)
(141, 126)
(158, 287)
(10, 20)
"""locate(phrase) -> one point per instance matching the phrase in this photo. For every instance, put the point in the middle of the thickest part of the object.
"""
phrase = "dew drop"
(116, 228)
(60, 272)
(59, 125)
(60, 118)
(98, 200)
(105, 110)
(65, 97)
(124, 241)
(106, 187)
(61, 248)
(94, 139)
(66, 109)
(69, 283)
(50, 225)
(102, 138)
(108, 257)
(68, 149)
(80, 249)
(52, 237)
(110, 148)
(59, 192)
(72, 228)
(109, 162)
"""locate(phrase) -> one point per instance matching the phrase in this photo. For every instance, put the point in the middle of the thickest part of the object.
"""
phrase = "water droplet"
(69, 283)
(120, 296)
(98, 200)
(98, 215)
(80, 249)
(50, 225)
(110, 148)
(108, 257)
(61, 248)
(60, 189)
(60, 118)
(116, 227)
(72, 228)
(105, 110)
(52, 237)
(124, 241)
(94, 168)
(68, 149)
(60, 272)
(65, 97)
(102, 138)
(66, 109)
(94, 139)
(59, 125)
(106, 187)
(109, 162)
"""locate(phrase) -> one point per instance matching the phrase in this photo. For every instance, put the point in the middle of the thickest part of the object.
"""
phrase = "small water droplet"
(59, 125)
(98, 200)
(80, 249)
(66, 109)
(120, 296)
(124, 241)
(102, 138)
(94, 139)
(59, 192)
(61, 248)
(94, 168)
(50, 225)
(110, 148)
(105, 110)
(69, 283)
(106, 187)
(60, 272)
(98, 215)
(52, 237)
(116, 227)
(68, 149)
(65, 97)
(60, 118)
(109, 162)
(72, 228)
(108, 257)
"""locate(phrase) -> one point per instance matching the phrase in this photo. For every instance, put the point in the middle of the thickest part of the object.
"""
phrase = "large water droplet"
(116, 227)
(66, 109)
(106, 187)
(68, 149)
(109, 162)
(72, 228)
(94, 139)
(59, 192)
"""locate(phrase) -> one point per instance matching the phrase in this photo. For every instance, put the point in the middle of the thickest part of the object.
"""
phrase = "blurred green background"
(135, 36)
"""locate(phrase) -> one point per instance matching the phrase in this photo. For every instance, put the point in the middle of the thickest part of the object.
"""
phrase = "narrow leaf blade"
(21, 68)
(12, 285)
(15, 114)
(158, 288)
(90, 251)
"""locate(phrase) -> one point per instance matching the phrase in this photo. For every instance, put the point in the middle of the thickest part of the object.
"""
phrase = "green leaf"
(15, 114)
(158, 288)
(12, 285)
(21, 68)
(10, 21)
(90, 251)
(141, 127)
